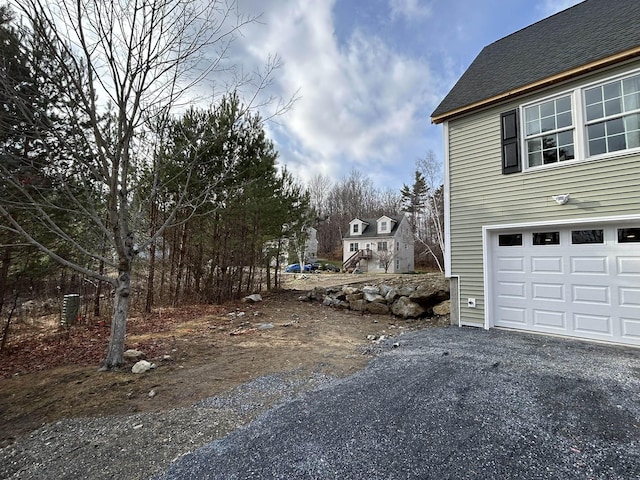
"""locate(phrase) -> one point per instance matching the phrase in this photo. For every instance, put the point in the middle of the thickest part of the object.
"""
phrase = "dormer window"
(355, 228)
(383, 226)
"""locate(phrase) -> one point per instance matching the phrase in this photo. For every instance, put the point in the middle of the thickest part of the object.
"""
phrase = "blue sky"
(369, 73)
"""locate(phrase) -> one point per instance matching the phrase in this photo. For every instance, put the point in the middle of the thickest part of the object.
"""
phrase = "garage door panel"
(629, 297)
(512, 290)
(546, 265)
(591, 294)
(593, 324)
(631, 328)
(548, 291)
(588, 290)
(510, 264)
(513, 316)
(628, 265)
(589, 265)
(549, 319)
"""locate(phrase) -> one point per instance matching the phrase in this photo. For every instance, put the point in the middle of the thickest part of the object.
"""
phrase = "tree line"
(111, 184)
(100, 175)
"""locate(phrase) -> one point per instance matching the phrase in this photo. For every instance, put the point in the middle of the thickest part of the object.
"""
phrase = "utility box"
(70, 309)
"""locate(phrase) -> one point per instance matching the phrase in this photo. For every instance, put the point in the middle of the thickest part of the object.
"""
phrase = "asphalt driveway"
(450, 403)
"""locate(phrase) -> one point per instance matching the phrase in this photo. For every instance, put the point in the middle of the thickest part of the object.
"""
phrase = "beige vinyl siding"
(481, 195)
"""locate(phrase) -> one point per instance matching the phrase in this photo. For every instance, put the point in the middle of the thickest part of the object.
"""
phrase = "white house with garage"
(542, 178)
(379, 245)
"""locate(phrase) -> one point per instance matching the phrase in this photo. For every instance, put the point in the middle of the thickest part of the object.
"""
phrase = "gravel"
(445, 403)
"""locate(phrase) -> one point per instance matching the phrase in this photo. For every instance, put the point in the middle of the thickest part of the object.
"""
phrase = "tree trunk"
(121, 300)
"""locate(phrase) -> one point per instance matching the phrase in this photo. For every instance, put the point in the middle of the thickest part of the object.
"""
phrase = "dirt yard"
(200, 351)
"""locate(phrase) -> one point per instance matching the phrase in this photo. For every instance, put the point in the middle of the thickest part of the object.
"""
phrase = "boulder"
(358, 305)
(142, 366)
(132, 354)
(377, 308)
(431, 293)
(405, 308)
(443, 308)
(355, 297)
(384, 289)
(256, 297)
(318, 293)
(350, 290)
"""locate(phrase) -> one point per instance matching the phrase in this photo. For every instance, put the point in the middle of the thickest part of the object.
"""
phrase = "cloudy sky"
(369, 73)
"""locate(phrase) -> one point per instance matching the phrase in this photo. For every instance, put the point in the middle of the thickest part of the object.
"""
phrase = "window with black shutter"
(510, 147)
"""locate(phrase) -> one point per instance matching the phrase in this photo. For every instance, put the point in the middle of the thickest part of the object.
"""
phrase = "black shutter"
(510, 145)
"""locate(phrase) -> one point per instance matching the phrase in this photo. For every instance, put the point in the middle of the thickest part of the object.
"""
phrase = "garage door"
(582, 282)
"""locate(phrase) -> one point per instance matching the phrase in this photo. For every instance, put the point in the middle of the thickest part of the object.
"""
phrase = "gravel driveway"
(447, 403)
(450, 404)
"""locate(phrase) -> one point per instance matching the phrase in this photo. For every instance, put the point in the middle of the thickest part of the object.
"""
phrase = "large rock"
(255, 298)
(132, 354)
(405, 308)
(377, 308)
(443, 308)
(431, 293)
(348, 290)
(358, 305)
(142, 366)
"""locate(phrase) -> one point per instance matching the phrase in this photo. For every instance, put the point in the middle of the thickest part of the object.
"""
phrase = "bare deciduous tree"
(125, 65)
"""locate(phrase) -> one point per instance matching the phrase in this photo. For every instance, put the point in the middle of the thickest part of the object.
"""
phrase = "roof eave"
(545, 82)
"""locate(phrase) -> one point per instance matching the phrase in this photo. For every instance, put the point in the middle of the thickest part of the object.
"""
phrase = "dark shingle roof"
(590, 31)
(371, 230)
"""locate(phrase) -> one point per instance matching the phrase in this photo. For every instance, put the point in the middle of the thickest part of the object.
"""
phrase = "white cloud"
(361, 104)
(409, 9)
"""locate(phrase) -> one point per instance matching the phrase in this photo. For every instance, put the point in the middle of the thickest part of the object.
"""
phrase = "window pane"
(617, 142)
(535, 159)
(632, 84)
(593, 95)
(566, 153)
(598, 146)
(510, 240)
(632, 122)
(563, 104)
(533, 127)
(587, 236)
(564, 120)
(547, 109)
(532, 114)
(550, 156)
(565, 138)
(595, 111)
(534, 145)
(628, 235)
(615, 127)
(546, 238)
(631, 102)
(633, 139)
(613, 107)
(596, 131)
(611, 90)
(548, 123)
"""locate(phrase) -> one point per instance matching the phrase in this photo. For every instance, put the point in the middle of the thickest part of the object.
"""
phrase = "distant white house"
(379, 245)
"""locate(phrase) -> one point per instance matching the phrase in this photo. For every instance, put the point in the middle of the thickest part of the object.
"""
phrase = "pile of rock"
(424, 297)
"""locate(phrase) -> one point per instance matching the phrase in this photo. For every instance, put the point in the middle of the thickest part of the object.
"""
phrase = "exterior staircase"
(353, 260)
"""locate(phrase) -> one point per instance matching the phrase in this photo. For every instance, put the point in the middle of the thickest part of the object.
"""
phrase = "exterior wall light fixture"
(561, 199)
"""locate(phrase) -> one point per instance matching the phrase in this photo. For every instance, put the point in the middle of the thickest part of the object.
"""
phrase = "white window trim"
(578, 118)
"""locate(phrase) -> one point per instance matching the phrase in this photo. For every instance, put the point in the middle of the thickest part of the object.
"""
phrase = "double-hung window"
(354, 247)
(613, 116)
(549, 132)
(590, 121)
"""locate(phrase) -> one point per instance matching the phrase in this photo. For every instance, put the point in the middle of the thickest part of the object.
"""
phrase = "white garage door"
(582, 282)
